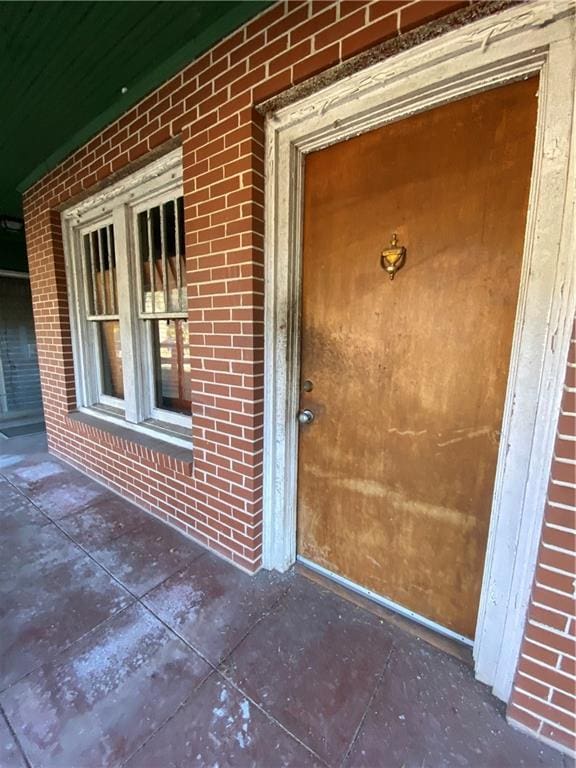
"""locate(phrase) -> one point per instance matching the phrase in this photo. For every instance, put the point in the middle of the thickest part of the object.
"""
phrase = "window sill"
(165, 439)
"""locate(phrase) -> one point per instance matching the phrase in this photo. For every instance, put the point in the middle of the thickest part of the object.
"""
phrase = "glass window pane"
(99, 274)
(112, 286)
(171, 261)
(111, 358)
(161, 238)
(181, 258)
(172, 370)
(100, 260)
(151, 256)
(90, 261)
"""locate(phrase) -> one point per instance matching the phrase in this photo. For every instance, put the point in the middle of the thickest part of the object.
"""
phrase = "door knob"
(306, 416)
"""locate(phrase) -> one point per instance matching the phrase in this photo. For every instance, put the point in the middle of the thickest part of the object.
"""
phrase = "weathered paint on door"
(396, 472)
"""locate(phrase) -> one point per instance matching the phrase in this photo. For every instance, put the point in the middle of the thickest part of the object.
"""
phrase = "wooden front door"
(407, 378)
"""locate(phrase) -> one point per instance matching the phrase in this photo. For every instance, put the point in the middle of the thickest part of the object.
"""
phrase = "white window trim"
(534, 37)
(149, 430)
(92, 382)
(119, 204)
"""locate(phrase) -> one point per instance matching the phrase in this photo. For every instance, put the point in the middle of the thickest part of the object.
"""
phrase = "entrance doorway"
(405, 379)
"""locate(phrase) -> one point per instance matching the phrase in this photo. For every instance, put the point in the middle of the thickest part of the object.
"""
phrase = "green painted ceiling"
(63, 66)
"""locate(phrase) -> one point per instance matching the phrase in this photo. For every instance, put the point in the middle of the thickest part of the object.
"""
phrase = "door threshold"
(428, 630)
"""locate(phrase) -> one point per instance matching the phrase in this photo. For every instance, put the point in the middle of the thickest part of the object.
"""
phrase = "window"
(127, 285)
(102, 308)
(160, 248)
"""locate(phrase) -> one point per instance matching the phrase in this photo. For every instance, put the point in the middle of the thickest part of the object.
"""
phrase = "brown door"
(396, 472)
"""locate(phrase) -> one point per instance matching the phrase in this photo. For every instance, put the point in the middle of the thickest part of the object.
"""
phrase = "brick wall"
(209, 106)
(543, 699)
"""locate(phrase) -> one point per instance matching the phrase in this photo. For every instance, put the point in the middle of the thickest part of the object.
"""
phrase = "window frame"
(145, 203)
(119, 204)
(93, 381)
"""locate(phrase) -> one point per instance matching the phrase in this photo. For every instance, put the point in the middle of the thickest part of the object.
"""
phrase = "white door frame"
(530, 38)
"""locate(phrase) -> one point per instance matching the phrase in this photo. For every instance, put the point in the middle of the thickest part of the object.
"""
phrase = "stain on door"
(408, 377)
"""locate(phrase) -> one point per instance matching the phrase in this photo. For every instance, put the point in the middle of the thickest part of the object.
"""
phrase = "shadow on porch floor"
(124, 643)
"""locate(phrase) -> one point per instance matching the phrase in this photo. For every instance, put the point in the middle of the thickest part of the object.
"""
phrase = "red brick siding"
(209, 105)
(543, 698)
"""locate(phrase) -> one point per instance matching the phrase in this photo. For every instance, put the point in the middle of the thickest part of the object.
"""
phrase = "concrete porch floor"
(123, 643)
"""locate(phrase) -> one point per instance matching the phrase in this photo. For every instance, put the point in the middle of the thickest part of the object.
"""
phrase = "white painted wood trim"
(166, 171)
(143, 428)
(76, 306)
(531, 38)
(130, 332)
(171, 417)
(118, 204)
(552, 229)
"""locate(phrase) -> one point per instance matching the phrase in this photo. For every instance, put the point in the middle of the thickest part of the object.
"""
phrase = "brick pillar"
(543, 697)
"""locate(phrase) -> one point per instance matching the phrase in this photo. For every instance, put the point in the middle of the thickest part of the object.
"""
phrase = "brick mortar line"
(555, 590)
(559, 571)
(563, 483)
(543, 719)
(552, 610)
(554, 548)
(547, 702)
(555, 526)
(537, 680)
(561, 654)
(541, 663)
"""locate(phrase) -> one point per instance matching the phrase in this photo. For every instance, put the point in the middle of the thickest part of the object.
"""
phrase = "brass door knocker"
(393, 258)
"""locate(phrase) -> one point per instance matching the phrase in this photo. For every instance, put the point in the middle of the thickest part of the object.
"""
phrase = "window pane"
(111, 358)
(161, 237)
(180, 255)
(100, 261)
(172, 371)
(149, 229)
(170, 212)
